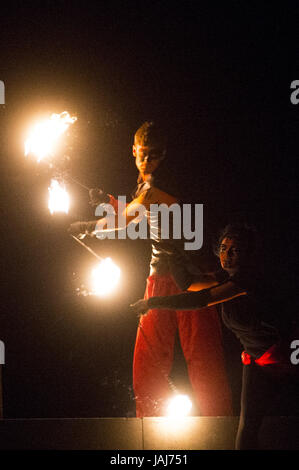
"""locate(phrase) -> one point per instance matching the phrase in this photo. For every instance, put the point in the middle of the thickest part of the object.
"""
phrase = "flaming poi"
(105, 277)
(59, 200)
(44, 135)
(179, 406)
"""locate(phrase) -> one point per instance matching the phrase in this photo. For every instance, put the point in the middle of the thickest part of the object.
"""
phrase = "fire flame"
(58, 198)
(105, 277)
(179, 406)
(45, 134)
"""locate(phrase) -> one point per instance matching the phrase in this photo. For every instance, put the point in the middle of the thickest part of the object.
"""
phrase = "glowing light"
(59, 200)
(44, 135)
(179, 406)
(105, 277)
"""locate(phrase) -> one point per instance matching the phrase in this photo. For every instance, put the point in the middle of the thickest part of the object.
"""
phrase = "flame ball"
(58, 198)
(105, 277)
(44, 135)
(179, 406)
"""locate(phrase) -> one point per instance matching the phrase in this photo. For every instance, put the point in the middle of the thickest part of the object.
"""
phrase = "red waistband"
(272, 356)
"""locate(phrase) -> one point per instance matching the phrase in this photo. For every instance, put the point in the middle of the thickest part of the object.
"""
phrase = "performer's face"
(231, 254)
(147, 158)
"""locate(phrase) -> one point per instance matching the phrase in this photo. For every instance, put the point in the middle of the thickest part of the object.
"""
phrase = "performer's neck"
(143, 176)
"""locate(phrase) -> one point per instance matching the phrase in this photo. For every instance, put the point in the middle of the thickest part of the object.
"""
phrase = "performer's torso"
(251, 317)
(160, 234)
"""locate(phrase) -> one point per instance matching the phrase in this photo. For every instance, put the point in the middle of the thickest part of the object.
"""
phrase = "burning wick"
(45, 134)
(179, 406)
(59, 200)
(105, 277)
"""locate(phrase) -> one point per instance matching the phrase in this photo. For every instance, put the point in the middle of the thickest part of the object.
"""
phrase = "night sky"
(219, 78)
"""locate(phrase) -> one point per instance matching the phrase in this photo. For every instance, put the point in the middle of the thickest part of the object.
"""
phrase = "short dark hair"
(150, 133)
(242, 232)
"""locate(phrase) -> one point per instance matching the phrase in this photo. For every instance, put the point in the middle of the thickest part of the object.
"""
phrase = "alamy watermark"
(2, 92)
(160, 222)
(2, 353)
(294, 97)
(295, 354)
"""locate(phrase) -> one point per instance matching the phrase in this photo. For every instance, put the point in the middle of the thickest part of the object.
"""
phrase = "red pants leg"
(201, 341)
(153, 355)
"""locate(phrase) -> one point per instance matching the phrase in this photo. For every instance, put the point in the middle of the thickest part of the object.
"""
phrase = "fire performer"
(248, 310)
(200, 335)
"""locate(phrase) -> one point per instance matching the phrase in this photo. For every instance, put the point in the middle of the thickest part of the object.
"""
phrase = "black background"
(219, 75)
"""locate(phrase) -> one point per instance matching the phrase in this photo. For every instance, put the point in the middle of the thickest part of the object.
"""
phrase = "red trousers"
(201, 341)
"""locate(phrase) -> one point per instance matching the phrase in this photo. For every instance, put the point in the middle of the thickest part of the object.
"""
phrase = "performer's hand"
(78, 228)
(97, 196)
(140, 307)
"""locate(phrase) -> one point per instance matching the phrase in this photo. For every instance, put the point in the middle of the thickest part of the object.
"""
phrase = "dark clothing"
(256, 336)
(249, 317)
(266, 391)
